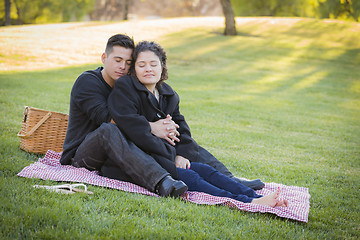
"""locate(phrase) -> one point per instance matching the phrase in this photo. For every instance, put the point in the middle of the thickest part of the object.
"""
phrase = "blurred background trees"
(44, 11)
(337, 9)
(50, 11)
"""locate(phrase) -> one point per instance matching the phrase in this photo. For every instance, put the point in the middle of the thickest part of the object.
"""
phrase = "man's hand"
(166, 129)
(181, 162)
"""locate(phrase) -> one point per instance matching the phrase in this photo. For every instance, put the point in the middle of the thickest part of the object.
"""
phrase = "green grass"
(277, 102)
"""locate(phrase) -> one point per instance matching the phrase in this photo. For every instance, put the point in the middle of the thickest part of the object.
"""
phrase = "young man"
(95, 143)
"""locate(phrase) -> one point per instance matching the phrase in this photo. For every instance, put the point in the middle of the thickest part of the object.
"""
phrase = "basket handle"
(28, 134)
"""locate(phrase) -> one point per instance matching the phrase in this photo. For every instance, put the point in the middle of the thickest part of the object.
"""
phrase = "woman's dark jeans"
(204, 178)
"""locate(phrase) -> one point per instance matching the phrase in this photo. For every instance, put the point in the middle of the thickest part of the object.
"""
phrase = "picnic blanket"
(49, 168)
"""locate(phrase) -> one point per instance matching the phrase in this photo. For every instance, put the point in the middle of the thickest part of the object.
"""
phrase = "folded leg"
(222, 181)
(107, 144)
(196, 183)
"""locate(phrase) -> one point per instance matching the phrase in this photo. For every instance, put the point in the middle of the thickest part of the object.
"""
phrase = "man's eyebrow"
(121, 58)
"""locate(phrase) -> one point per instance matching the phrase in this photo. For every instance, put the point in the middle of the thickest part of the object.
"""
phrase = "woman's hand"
(181, 162)
(166, 129)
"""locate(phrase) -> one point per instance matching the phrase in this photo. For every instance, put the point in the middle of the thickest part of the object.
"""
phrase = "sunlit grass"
(280, 102)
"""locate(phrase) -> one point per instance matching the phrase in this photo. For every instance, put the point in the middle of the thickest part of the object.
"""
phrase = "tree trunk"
(7, 12)
(125, 9)
(230, 27)
(18, 11)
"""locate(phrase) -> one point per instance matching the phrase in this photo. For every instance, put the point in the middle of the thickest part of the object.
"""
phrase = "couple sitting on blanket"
(129, 127)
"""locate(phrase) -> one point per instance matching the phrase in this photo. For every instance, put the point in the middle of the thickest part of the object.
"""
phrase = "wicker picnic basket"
(42, 130)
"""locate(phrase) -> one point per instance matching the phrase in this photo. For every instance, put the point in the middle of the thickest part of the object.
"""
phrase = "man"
(95, 143)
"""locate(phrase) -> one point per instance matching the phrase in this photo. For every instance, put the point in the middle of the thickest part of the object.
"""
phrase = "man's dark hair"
(155, 48)
(121, 40)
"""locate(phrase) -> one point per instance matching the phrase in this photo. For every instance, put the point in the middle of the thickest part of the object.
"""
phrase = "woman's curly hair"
(155, 48)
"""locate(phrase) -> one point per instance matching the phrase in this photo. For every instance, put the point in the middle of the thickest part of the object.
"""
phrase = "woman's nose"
(148, 68)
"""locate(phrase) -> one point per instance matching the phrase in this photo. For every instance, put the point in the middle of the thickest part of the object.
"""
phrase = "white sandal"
(66, 188)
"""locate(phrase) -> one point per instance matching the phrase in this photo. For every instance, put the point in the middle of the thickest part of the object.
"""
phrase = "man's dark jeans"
(108, 151)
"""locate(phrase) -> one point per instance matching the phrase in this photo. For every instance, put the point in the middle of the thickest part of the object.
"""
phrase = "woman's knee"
(201, 167)
(190, 177)
(205, 171)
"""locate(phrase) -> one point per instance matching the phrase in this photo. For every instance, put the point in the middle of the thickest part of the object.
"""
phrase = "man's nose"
(122, 64)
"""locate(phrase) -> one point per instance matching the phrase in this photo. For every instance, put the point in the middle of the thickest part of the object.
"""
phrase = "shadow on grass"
(287, 62)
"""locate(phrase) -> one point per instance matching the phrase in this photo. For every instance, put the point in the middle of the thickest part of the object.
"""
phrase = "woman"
(145, 98)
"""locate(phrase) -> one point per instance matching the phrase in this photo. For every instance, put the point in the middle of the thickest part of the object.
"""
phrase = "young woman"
(145, 98)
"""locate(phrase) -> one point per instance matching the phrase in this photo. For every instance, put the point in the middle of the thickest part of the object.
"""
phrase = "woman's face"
(148, 69)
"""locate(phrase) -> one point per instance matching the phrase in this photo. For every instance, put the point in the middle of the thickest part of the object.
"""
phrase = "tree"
(273, 8)
(230, 27)
(126, 9)
(339, 9)
(26, 11)
(7, 12)
(46, 11)
(174, 8)
(111, 10)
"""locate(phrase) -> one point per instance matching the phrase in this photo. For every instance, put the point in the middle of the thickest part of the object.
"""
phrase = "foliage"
(109, 10)
(280, 101)
(45, 11)
(339, 9)
(267, 7)
(175, 8)
(344, 9)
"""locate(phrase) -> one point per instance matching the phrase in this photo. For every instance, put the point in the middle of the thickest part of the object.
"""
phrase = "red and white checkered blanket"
(49, 168)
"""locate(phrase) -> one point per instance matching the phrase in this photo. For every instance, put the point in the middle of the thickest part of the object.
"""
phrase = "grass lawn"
(278, 102)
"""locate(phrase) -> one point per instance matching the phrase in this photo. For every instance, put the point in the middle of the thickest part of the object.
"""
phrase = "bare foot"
(271, 200)
(282, 203)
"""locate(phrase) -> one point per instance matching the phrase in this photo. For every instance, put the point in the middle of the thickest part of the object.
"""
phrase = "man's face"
(117, 63)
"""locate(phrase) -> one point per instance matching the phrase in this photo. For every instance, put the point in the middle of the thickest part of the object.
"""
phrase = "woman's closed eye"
(144, 65)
